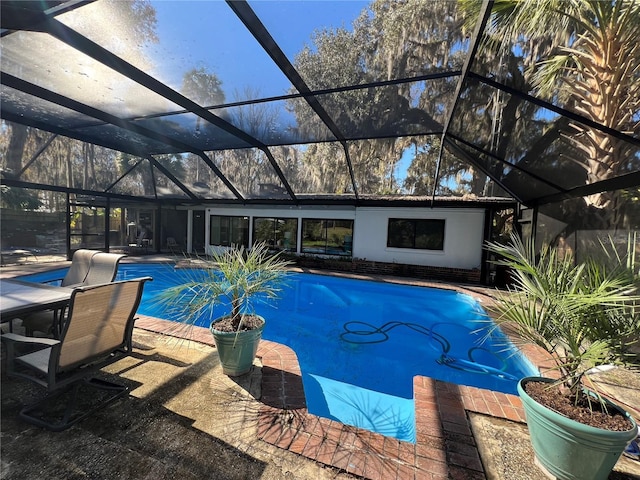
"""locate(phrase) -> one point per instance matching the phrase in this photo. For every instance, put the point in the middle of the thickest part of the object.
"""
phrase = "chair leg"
(37, 413)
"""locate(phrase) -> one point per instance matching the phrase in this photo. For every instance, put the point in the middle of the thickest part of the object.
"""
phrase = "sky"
(208, 34)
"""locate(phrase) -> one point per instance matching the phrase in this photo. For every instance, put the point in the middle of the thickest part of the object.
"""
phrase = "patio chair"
(143, 242)
(79, 268)
(75, 276)
(102, 268)
(97, 333)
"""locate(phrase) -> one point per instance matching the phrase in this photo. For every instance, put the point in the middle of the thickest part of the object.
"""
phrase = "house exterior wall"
(463, 236)
(462, 239)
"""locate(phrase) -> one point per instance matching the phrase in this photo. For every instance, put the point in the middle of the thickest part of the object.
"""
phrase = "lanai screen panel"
(47, 62)
(128, 140)
(167, 187)
(36, 111)
(391, 166)
(584, 59)
(139, 180)
(508, 176)
(411, 108)
(22, 105)
(251, 173)
(279, 122)
(191, 131)
(145, 179)
(315, 169)
(535, 144)
(573, 214)
(199, 49)
(65, 162)
(336, 44)
(201, 179)
(408, 166)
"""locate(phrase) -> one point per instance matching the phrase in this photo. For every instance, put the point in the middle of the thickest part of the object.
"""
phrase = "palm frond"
(234, 278)
(582, 315)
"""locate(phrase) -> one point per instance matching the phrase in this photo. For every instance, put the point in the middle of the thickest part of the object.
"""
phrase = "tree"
(134, 20)
(203, 87)
(388, 41)
(18, 198)
(582, 54)
(15, 151)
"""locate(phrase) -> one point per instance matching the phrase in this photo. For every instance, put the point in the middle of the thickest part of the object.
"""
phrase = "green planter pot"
(236, 350)
(570, 450)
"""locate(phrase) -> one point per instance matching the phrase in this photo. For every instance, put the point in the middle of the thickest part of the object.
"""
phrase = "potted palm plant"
(583, 315)
(235, 280)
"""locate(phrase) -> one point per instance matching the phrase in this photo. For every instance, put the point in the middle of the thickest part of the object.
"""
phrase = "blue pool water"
(360, 343)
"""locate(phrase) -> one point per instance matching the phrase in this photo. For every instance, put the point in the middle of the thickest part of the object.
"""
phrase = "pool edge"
(445, 445)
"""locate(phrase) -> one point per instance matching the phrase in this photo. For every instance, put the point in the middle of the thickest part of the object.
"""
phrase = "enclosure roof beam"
(37, 153)
(483, 18)
(248, 17)
(27, 15)
(78, 191)
(630, 180)
(89, 111)
(559, 110)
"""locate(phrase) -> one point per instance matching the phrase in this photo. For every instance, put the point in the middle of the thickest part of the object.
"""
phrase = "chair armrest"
(14, 337)
(17, 344)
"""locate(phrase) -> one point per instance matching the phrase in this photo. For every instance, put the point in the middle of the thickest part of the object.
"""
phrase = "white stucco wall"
(462, 237)
(463, 234)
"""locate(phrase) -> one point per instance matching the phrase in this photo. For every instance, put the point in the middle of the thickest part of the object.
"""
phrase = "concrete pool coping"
(463, 432)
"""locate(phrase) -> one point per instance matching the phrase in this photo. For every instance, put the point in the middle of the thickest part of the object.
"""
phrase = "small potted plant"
(235, 279)
(582, 316)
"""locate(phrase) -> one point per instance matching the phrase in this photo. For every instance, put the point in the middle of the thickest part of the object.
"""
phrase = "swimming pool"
(360, 343)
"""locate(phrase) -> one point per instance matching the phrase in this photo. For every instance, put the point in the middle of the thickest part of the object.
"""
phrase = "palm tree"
(582, 54)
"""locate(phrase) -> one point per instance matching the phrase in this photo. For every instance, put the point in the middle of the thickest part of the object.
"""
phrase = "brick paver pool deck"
(445, 446)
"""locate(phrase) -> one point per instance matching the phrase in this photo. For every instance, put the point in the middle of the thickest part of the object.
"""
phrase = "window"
(327, 237)
(228, 231)
(277, 233)
(416, 233)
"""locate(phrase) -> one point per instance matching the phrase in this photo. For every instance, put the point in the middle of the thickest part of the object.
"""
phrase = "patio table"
(19, 298)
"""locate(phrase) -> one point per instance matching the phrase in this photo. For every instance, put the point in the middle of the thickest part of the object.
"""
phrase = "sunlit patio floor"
(185, 419)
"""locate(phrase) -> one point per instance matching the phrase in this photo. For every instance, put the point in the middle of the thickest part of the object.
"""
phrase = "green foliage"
(203, 87)
(18, 198)
(389, 40)
(583, 315)
(236, 277)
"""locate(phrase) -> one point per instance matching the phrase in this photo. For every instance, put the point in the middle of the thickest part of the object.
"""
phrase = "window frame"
(328, 249)
(231, 230)
(417, 226)
(292, 246)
